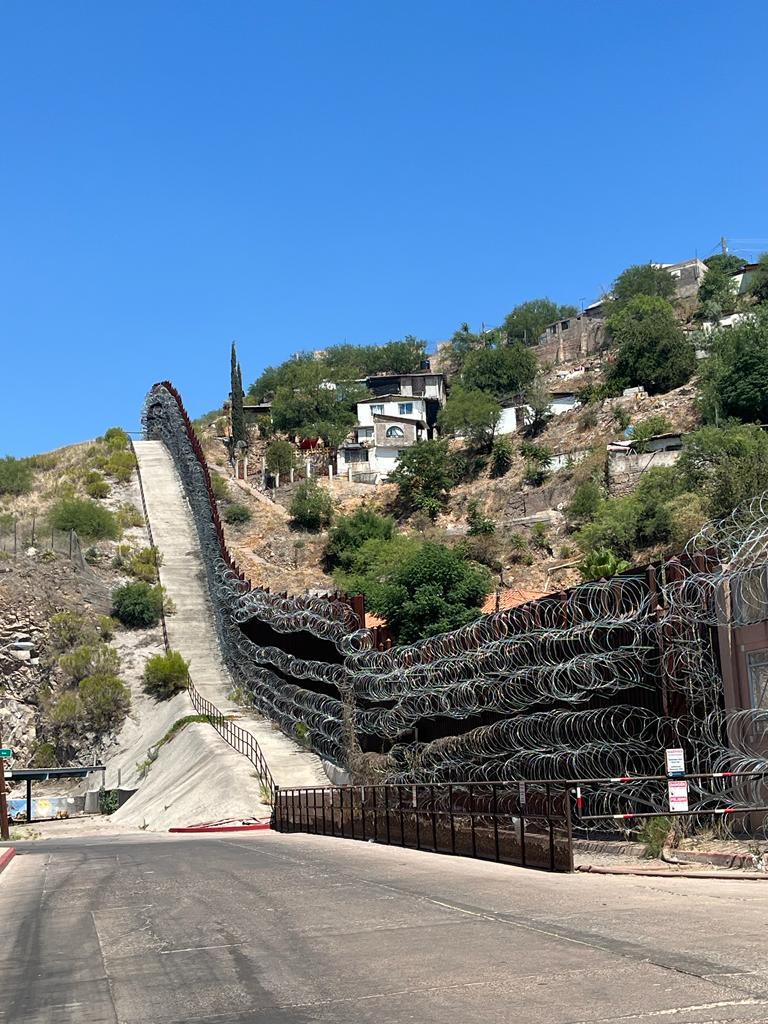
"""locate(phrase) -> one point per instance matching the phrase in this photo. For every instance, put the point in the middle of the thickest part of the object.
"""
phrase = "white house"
(386, 426)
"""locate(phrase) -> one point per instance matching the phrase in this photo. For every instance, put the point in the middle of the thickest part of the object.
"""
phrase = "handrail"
(239, 739)
(151, 542)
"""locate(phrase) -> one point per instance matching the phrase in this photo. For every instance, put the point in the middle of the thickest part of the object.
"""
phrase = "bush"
(650, 427)
(478, 522)
(585, 502)
(624, 525)
(539, 454)
(588, 419)
(734, 378)
(105, 701)
(15, 475)
(69, 629)
(128, 515)
(44, 756)
(534, 474)
(727, 466)
(120, 465)
(107, 626)
(144, 564)
(236, 514)
(64, 715)
(349, 533)
(89, 660)
(96, 486)
(137, 605)
(312, 507)
(502, 454)
(116, 439)
(280, 457)
(539, 536)
(219, 486)
(85, 517)
(470, 414)
(166, 675)
(600, 564)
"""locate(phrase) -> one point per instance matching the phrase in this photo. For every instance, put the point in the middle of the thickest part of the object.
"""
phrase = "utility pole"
(4, 830)
(724, 245)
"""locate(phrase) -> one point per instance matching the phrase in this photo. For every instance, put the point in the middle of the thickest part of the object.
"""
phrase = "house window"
(355, 454)
(405, 408)
(377, 409)
(395, 432)
(565, 324)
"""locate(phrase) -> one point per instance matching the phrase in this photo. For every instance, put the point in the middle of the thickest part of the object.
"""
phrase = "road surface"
(147, 929)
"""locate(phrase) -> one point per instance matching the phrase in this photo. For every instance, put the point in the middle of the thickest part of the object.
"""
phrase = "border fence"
(522, 823)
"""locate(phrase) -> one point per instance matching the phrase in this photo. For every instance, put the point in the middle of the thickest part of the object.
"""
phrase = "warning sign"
(678, 794)
(675, 761)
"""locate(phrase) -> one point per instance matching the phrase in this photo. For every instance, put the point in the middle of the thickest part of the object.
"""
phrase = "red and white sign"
(675, 761)
(678, 794)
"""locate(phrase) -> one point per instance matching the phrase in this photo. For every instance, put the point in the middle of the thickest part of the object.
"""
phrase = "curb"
(6, 857)
(221, 828)
(742, 876)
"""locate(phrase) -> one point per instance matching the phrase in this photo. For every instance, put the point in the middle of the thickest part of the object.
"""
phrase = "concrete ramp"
(191, 628)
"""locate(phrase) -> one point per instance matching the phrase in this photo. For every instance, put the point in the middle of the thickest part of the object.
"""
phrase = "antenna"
(724, 245)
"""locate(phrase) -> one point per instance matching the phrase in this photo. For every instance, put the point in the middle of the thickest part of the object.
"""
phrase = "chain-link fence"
(22, 535)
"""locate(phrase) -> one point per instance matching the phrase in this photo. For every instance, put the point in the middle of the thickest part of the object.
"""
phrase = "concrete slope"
(191, 629)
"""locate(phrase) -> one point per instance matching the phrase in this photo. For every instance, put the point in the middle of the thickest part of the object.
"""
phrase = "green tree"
(312, 406)
(430, 589)
(312, 507)
(349, 533)
(471, 414)
(734, 378)
(641, 279)
(463, 342)
(502, 371)
(759, 284)
(15, 475)
(638, 520)
(280, 457)
(237, 415)
(527, 321)
(652, 351)
(424, 476)
(725, 466)
(585, 502)
(717, 291)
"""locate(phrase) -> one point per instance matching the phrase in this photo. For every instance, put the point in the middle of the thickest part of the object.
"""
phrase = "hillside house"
(386, 426)
(576, 336)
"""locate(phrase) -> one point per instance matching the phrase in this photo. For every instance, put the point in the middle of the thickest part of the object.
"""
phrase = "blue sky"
(176, 175)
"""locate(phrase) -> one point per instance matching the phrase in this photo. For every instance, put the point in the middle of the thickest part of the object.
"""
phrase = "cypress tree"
(237, 415)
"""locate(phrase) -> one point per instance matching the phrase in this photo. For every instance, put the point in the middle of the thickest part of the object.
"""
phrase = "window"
(405, 408)
(377, 409)
(565, 324)
(395, 432)
(355, 455)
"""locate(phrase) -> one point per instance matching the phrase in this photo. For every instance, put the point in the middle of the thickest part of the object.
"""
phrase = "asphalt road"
(270, 928)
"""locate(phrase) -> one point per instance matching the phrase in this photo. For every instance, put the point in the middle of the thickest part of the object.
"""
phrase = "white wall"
(391, 407)
(507, 421)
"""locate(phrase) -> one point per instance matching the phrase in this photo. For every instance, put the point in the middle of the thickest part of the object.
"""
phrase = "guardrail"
(524, 823)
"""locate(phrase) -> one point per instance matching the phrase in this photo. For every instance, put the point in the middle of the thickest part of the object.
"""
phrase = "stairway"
(191, 628)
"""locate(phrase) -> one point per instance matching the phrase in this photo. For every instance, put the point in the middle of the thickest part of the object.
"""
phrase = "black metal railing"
(239, 739)
(525, 823)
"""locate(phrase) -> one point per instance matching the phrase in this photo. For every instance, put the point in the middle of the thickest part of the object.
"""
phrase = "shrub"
(116, 439)
(654, 833)
(68, 629)
(96, 486)
(89, 660)
(470, 414)
(588, 419)
(478, 522)
(236, 514)
(219, 486)
(650, 427)
(85, 517)
(539, 454)
(44, 756)
(534, 474)
(64, 715)
(726, 465)
(128, 515)
(137, 605)
(585, 502)
(622, 417)
(15, 475)
(601, 563)
(502, 454)
(280, 457)
(144, 564)
(105, 701)
(107, 626)
(624, 525)
(734, 377)
(349, 533)
(312, 507)
(121, 465)
(165, 675)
